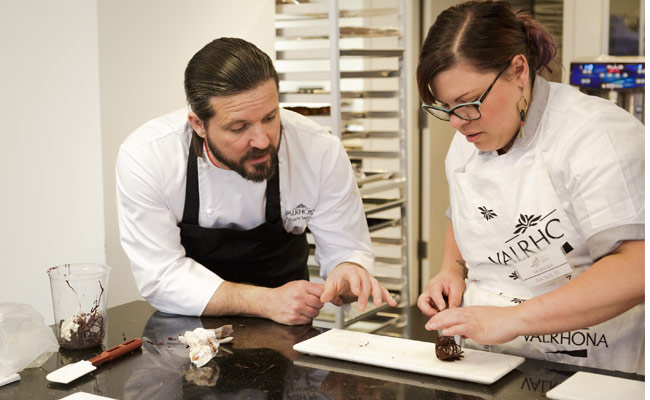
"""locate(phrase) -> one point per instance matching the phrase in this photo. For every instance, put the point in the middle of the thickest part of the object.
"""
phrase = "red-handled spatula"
(73, 371)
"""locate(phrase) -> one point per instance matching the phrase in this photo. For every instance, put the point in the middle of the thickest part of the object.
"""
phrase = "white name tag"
(543, 267)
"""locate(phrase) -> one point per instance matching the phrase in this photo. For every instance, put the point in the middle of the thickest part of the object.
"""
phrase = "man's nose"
(259, 138)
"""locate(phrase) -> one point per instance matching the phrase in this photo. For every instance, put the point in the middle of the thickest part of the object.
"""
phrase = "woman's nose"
(456, 122)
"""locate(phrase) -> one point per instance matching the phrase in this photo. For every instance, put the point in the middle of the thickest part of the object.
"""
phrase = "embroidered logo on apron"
(487, 214)
(299, 213)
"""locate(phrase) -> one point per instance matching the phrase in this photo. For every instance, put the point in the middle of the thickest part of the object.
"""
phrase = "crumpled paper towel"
(204, 343)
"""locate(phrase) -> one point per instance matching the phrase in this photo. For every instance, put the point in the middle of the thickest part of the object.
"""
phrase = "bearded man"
(214, 200)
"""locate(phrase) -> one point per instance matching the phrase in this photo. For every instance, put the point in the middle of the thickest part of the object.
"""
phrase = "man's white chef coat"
(318, 190)
(594, 152)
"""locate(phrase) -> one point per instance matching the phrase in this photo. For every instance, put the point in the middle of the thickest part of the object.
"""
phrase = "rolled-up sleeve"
(606, 181)
(150, 236)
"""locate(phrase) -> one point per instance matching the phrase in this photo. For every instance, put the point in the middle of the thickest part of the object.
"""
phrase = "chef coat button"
(208, 211)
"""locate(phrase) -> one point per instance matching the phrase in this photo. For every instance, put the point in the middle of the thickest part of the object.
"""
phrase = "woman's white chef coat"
(575, 180)
(318, 190)
(594, 152)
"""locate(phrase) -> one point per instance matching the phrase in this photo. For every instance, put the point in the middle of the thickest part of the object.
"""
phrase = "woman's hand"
(611, 286)
(484, 324)
(449, 284)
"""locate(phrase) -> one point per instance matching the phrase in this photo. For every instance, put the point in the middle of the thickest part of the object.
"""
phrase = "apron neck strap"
(191, 208)
(273, 196)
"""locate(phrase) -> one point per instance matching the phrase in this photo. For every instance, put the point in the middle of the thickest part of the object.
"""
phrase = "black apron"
(266, 255)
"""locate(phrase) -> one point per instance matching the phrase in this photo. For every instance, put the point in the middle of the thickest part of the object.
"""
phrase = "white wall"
(76, 77)
(144, 47)
(50, 157)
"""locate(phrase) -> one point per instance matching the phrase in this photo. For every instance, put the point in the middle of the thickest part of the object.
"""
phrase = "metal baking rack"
(342, 65)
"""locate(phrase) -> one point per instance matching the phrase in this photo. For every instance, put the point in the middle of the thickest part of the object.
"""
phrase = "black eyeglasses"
(466, 111)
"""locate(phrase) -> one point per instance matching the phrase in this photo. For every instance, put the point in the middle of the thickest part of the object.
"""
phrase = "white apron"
(502, 216)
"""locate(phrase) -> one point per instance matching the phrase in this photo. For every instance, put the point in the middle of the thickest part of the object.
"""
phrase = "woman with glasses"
(544, 252)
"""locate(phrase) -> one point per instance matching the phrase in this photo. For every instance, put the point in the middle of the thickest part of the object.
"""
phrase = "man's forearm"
(238, 299)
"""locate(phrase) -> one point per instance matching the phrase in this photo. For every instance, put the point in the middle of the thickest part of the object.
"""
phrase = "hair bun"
(540, 40)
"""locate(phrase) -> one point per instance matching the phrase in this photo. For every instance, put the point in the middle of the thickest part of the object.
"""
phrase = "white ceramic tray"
(589, 386)
(408, 355)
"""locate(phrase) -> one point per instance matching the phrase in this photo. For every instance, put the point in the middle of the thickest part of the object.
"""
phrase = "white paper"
(85, 396)
(589, 386)
(5, 380)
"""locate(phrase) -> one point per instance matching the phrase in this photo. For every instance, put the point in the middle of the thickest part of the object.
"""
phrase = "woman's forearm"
(611, 286)
(452, 259)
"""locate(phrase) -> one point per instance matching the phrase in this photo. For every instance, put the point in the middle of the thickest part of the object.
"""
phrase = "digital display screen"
(608, 76)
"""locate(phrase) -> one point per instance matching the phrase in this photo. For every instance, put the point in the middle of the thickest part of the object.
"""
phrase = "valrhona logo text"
(578, 338)
(531, 234)
(300, 212)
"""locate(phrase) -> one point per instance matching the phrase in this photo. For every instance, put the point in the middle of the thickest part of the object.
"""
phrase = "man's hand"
(349, 281)
(294, 303)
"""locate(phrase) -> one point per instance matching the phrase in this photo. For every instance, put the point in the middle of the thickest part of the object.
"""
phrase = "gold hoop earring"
(522, 114)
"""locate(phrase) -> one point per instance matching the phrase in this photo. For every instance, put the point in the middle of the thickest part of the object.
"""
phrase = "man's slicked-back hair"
(224, 67)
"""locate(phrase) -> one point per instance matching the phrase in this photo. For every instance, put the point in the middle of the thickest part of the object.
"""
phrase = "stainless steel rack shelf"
(320, 95)
(324, 75)
(315, 54)
(320, 10)
(344, 68)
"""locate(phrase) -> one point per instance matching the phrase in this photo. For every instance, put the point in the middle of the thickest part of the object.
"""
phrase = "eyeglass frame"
(477, 103)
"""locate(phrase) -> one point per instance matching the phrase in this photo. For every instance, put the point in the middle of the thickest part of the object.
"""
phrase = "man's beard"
(260, 171)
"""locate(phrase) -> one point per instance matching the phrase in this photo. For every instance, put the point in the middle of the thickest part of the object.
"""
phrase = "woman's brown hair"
(485, 35)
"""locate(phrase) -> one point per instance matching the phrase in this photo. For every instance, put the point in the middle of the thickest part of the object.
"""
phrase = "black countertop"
(261, 364)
